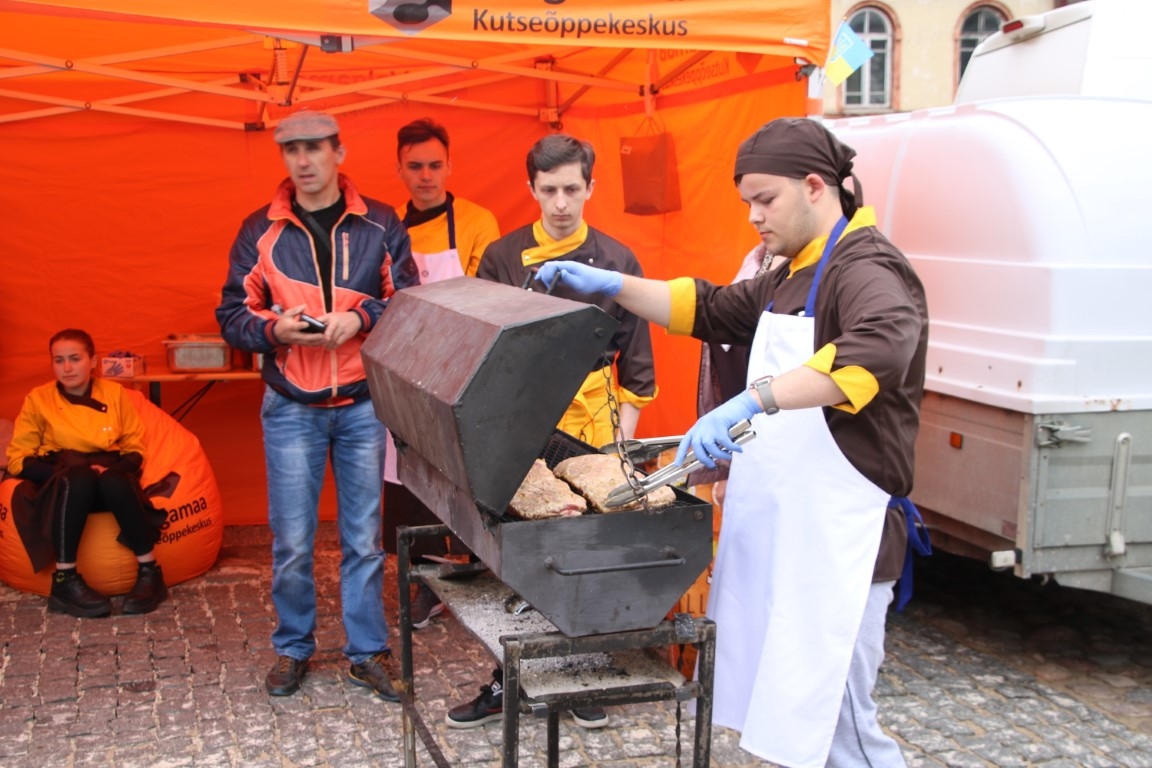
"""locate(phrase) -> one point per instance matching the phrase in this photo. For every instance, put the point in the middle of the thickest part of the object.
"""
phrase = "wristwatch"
(763, 388)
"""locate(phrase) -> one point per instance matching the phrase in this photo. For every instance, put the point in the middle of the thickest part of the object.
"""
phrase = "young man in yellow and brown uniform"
(560, 180)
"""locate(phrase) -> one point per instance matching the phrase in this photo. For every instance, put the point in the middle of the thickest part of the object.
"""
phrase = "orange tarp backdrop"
(137, 136)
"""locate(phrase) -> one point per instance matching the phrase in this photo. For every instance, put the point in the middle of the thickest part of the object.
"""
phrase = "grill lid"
(474, 375)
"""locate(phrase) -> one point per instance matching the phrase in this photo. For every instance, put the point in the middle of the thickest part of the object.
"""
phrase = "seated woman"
(79, 443)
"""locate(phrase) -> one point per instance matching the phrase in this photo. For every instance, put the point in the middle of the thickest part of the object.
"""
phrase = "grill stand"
(602, 669)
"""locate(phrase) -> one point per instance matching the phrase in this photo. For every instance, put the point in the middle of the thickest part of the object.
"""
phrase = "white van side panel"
(1027, 221)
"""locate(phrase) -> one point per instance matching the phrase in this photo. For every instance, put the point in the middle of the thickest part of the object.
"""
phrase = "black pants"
(83, 491)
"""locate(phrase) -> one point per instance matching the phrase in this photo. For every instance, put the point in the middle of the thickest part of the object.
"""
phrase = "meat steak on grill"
(595, 475)
(543, 495)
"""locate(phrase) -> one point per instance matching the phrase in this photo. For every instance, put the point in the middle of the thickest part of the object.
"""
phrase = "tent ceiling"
(106, 55)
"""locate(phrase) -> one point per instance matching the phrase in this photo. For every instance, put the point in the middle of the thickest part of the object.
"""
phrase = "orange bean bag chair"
(185, 490)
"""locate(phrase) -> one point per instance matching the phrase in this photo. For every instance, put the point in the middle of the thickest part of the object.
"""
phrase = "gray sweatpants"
(859, 742)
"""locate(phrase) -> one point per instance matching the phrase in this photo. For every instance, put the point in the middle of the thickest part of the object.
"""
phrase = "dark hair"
(558, 149)
(420, 131)
(74, 334)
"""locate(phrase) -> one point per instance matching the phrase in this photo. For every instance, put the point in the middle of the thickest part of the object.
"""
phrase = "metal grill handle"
(671, 559)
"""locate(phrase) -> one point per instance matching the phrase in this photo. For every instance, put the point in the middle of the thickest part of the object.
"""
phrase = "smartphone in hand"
(313, 325)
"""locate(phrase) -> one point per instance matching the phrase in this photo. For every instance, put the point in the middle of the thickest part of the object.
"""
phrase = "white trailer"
(1026, 208)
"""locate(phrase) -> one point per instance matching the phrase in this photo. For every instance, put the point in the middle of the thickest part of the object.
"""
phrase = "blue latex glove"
(581, 277)
(709, 438)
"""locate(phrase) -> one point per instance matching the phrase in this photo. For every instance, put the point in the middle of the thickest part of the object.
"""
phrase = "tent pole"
(50, 64)
(295, 77)
(67, 106)
(611, 65)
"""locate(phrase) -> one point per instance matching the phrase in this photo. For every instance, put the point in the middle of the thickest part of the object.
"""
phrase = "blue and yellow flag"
(849, 52)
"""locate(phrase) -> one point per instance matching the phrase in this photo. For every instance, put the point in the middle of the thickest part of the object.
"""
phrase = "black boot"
(148, 591)
(72, 595)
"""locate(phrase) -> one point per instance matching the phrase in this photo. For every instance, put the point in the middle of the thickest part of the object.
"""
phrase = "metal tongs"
(646, 449)
(527, 284)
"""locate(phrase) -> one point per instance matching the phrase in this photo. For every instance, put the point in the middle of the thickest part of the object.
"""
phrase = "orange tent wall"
(122, 225)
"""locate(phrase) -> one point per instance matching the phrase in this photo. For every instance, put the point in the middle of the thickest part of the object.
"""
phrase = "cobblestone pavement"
(983, 670)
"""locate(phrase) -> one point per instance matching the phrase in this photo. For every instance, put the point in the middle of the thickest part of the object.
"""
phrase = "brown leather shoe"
(148, 591)
(371, 674)
(285, 676)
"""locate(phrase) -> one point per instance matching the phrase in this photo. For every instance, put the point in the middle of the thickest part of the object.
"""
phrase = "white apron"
(445, 264)
(434, 267)
(797, 551)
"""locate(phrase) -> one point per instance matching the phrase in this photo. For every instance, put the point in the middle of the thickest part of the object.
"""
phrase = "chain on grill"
(626, 465)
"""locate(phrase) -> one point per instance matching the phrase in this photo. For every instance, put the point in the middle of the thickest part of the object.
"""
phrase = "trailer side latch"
(1053, 434)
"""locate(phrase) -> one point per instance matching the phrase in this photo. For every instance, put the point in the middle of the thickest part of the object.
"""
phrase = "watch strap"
(763, 387)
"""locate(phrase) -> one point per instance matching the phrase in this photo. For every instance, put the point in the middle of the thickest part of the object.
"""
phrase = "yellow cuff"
(857, 384)
(682, 312)
(632, 398)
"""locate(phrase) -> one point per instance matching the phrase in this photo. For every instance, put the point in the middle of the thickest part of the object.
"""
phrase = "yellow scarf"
(550, 248)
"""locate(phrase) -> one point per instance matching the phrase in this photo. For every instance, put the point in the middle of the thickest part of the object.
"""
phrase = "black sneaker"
(486, 707)
(371, 674)
(285, 676)
(71, 594)
(590, 717)
(148, 591)
(425, 606)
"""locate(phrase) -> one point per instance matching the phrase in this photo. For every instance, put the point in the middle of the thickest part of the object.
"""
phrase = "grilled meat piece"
(543, 495)
(595, 475)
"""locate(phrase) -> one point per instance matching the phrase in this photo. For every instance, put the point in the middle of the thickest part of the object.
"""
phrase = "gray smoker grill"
(471, 377)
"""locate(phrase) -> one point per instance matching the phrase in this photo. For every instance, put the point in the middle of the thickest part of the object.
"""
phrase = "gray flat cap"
(306, 125)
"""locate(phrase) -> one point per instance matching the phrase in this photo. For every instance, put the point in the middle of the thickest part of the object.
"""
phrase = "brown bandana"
(794, 147)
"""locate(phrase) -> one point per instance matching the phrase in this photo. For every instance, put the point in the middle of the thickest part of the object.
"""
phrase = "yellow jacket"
(48, 423)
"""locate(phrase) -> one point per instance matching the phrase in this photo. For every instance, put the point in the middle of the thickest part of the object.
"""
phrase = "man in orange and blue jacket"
(309, 276)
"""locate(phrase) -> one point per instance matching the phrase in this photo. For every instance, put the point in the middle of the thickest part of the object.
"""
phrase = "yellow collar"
(811, 253)
(550, 248)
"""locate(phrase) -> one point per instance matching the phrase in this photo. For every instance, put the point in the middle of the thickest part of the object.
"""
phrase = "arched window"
(981, 22)
(870, 87)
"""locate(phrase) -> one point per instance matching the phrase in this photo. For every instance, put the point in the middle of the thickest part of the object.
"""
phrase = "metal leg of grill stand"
(706, 679)
(553, 737)
(511, 745)
(408, 692)
(412, 723)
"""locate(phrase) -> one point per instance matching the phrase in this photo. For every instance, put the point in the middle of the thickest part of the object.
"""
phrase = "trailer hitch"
(1054, 434)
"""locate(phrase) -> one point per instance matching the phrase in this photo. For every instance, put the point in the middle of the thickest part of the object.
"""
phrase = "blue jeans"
(298, 440)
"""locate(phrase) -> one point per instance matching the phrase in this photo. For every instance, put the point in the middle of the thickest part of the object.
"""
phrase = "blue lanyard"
(918, 543)
(833, 238)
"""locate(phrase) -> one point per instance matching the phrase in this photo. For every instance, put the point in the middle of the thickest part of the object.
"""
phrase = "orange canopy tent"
(137, 135)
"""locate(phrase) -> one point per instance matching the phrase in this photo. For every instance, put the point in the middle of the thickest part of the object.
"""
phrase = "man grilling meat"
(560, 180)
(815, 519)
